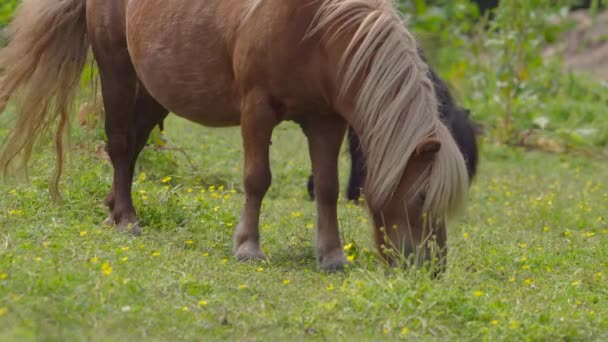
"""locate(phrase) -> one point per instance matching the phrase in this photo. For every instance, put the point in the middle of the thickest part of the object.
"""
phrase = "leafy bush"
(496, 67)
(6, 11)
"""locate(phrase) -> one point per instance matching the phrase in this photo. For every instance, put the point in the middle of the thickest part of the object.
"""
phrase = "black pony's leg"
(310, 186)
(357, 172)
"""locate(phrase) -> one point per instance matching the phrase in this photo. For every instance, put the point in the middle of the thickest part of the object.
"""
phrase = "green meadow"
(526, 262)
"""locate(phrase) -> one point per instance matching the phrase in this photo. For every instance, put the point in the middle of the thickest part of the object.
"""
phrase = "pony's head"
(412, 221)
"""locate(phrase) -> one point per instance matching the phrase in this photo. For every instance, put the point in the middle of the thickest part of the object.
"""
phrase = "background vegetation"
(527, 262)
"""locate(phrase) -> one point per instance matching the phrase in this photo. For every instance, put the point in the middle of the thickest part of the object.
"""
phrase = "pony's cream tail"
(42, 64)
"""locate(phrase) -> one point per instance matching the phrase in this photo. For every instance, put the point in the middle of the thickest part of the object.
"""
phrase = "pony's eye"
(421, 197)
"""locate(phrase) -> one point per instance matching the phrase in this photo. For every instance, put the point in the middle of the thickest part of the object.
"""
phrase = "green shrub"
(497, 69)
(6, 11)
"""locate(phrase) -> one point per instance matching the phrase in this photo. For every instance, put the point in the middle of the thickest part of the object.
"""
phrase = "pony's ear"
(427, 147)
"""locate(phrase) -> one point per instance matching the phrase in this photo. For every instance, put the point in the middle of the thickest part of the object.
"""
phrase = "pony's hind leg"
(130, 115)
(146, 114)
(258, 119)
(325, 134)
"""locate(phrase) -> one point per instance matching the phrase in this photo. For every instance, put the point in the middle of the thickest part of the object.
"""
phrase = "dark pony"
(455, 117)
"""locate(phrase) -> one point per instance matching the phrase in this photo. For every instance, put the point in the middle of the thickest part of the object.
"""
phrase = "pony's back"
(457, 119)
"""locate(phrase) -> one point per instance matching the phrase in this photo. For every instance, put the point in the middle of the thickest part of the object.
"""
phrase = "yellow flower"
(206, 254)
(478, 293)
(189, 242)
(260, 269)
(296, 214)
(13, 192)
(155, 254)
(494, 322)
(124, 249)
(94, 260)
(185, 309)
(125, 259)
(242, 286)
(465, 235)
(202, 303)
(310, 226)
(512, 280)
(286, 282)
(528, 281)
(189, 191)
(350, 258)
(3, 276)
(525, 267)
(225, 260)
(3, 311)
(576, 283)
(141, 177)
(405, 331)
(330, 287)
(567, 233)
(599, 275)
(227, 196)
(348, 247)
(589, 234)
(106, 269)
(83, 233)
(545, 229)
(166, 179)
(212, 188)
(523, 259)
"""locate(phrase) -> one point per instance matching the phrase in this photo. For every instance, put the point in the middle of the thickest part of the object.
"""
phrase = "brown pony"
(254, 63)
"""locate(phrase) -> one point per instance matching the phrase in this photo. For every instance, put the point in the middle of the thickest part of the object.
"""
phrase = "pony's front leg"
(258, 119)
(325, 134)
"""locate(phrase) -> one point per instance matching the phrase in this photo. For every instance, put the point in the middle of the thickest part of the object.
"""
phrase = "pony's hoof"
(333, 262)
(249, 251)
(130, 228)
(108, 222)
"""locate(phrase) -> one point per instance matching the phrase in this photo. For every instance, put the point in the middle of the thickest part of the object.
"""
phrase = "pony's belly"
(185, 67)
(203, 108)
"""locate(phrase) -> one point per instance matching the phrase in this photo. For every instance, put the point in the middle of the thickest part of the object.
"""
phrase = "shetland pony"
(324, 64)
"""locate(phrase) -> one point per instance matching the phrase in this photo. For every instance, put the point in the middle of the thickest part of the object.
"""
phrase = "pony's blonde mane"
(395, 102)
(250, 7)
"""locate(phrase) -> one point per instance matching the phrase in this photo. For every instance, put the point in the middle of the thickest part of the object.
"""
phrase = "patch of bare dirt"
(584, 48)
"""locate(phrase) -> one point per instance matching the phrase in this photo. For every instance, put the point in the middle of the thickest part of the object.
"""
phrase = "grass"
(527, 262)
